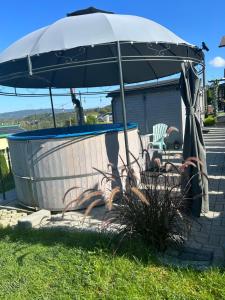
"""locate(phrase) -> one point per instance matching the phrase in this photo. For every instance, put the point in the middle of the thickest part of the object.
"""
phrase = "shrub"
(70, 122)
(3, 165)
(210, 121)
(91, 119)
(156, 209)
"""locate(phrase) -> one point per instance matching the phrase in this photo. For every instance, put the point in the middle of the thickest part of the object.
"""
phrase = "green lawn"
(71, 265)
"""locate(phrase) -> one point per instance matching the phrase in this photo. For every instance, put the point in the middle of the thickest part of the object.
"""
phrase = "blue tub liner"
(69, 132)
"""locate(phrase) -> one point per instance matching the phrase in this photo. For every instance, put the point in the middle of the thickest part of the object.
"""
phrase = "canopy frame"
(52, 107)
(34, 72)
(164, 53)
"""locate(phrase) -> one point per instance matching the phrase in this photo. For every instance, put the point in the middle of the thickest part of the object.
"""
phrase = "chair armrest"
(149, 134)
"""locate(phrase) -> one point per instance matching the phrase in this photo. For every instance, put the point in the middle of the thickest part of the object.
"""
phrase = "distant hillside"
(20, 114)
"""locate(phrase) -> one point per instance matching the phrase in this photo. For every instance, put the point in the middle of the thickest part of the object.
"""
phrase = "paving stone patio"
(209, 232)
(207, 237)
(10, 217)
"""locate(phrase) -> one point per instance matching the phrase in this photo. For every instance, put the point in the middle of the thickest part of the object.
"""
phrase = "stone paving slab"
(34, 219)
(98, 221)
(10, 217)
(209, 233)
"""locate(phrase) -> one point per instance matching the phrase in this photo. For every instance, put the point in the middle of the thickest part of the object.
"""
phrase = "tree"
(209, 95)
(91, 119)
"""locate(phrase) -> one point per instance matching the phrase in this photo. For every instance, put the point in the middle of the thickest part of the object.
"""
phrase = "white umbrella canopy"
(92, 48)
(81, 51)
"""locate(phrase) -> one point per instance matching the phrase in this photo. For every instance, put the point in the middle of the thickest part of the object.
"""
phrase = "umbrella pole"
(53, 112)
(122, 95)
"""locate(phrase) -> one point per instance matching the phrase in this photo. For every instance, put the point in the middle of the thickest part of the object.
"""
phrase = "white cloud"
(217, 62)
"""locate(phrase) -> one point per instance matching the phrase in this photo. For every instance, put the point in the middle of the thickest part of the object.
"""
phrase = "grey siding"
(151, 108)
(164, 107)
(135, 110)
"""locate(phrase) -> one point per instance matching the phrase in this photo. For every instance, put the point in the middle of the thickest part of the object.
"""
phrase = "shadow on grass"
(113, 245)
(133, 249)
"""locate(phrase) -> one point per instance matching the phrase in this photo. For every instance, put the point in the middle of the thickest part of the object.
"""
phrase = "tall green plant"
(91, 119)
(3, 165)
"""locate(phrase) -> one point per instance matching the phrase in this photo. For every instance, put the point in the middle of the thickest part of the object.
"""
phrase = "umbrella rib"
(163, 46)
(85, 69)
(54, 73)
(110, 50)
(39, 38)
(148, 63)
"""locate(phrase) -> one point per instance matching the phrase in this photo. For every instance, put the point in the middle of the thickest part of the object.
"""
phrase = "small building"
(5, 131)
(107, 118)
(221, 96)
(151, 103)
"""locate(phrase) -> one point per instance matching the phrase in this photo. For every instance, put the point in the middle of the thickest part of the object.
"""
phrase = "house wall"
(135, 110)
(152, 107)
(3, 143)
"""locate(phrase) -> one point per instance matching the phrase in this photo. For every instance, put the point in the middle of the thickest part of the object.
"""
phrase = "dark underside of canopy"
(98, 66)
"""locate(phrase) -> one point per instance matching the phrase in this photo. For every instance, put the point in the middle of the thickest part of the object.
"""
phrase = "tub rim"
(76, 131)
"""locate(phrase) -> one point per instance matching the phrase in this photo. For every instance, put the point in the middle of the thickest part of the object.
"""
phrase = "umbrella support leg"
(52, 106)
(122, 95)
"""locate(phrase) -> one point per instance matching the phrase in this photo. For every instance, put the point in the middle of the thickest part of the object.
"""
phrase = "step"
(35, 219)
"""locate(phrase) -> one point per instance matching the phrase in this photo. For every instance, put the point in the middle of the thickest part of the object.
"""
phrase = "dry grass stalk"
(139, 194)
(186, 164)
(192, 158)
(91, 206)
(68, 191)
(81, 201)
(112, 196)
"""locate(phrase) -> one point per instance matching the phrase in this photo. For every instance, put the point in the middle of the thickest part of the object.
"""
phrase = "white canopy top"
(87, 30)
(81, 50)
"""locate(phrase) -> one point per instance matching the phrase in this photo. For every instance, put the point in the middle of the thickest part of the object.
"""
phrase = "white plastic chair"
(157, 137)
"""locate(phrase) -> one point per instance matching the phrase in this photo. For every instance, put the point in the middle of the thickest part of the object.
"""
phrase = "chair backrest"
(159, 131)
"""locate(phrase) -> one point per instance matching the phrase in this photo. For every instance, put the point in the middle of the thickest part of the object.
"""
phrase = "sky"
(194, 21)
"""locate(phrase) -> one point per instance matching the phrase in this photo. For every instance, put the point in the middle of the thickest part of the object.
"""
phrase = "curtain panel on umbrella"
(193, 140)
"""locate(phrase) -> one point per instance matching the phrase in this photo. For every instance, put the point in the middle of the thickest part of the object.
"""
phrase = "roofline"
(145, 87)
